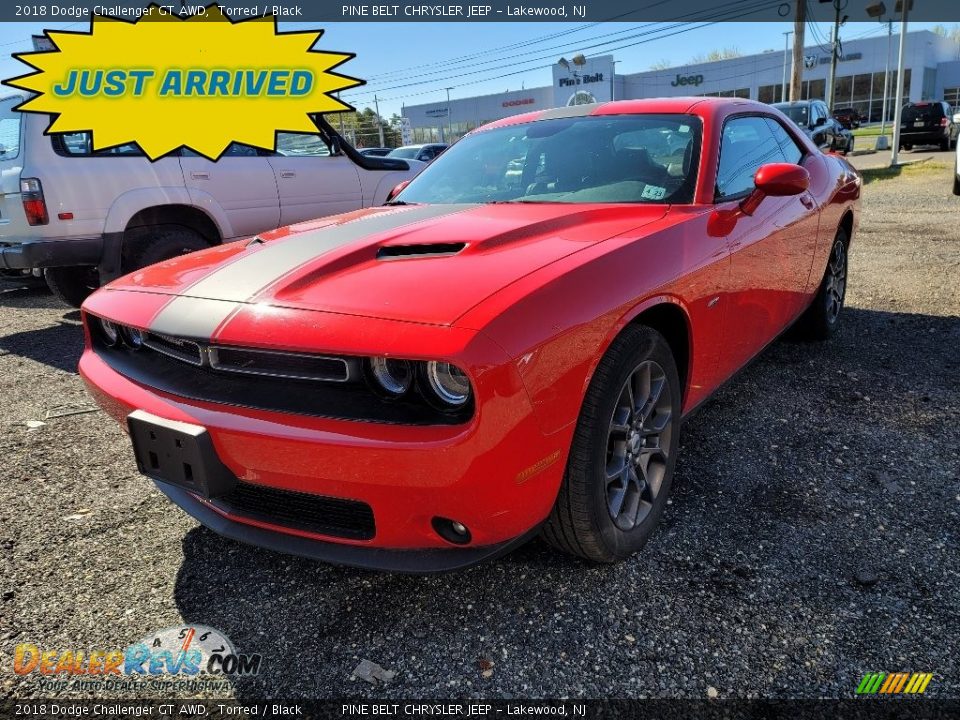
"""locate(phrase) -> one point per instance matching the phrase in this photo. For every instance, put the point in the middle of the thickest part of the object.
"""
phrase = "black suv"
(814, 119)
(927, 123)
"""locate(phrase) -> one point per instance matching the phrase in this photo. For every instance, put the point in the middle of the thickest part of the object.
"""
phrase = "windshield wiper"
(399, 202)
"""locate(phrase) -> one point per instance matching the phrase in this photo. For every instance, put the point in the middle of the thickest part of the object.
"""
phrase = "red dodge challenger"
(506, 348)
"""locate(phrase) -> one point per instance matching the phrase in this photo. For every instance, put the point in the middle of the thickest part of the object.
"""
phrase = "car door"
(240, 184)
(768, 250)
(312, 182)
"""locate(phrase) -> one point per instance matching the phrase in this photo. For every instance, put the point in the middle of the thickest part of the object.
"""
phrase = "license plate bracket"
(178, 453)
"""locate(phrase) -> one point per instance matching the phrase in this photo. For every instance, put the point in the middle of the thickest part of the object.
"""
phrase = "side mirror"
(772, 180)
(396, 190)
(335, 148)
(820, 121)
(775, 180)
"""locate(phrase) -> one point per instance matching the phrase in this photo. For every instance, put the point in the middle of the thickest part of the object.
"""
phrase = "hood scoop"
(404, 252)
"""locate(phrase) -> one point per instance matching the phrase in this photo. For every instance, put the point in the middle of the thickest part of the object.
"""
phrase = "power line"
(676, 29)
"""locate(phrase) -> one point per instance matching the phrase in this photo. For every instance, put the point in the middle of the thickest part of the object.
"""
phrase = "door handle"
(807, 201)
(199, 175)
(287, 173)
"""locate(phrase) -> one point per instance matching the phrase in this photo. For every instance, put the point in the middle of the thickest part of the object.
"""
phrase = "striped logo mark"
(894, 683)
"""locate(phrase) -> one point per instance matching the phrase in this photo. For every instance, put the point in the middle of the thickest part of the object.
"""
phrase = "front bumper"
(366, 557)
(926, 137)
(497, 474)
(66, 252)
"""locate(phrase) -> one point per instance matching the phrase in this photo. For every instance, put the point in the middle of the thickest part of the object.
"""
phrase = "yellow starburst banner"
(202, 81)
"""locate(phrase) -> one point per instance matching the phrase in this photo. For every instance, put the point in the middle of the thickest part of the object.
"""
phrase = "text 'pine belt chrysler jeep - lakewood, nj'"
(84, 217)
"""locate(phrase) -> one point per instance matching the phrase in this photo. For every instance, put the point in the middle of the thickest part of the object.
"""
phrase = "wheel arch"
(667, 315)
(188, 216)
(846, 223)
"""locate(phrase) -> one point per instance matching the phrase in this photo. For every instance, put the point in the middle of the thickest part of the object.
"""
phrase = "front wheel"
(820, 320)
(623, 453)
(72, 285)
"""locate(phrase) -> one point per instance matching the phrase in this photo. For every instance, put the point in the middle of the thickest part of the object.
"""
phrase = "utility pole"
(886, 78)
(376, 105)
(786, 48)
(796, 74)
(834, 52)
(898, 108)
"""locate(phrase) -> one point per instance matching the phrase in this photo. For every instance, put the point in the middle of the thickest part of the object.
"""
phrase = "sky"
(414, 63)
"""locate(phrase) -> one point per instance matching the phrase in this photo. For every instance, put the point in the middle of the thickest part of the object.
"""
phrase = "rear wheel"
(623, 453)
(156, 244)
(820, 320)
(72, 285)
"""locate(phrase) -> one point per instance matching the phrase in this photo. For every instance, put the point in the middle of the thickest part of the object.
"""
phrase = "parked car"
(814, 119)
(956, 170)
(86, 217)
(927, 123)
(374, 151)
(849, 117)
(424, 385)
(424, 153)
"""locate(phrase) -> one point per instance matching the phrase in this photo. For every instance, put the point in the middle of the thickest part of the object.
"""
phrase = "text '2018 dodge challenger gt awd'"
(507, 347)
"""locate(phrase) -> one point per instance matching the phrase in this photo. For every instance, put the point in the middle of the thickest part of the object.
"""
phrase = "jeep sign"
(687, 80)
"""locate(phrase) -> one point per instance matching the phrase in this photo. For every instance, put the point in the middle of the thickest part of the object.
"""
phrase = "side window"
(80, 144)
(788, 146)
(233, 150)
(301, 145)
(746, 144)
(9, 129)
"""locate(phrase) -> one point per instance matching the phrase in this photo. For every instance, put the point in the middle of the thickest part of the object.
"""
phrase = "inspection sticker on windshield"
(653, 192)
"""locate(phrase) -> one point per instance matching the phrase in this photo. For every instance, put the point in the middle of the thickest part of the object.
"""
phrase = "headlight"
(449, 383)
(133, 337)
(393, 376)
(110, 331)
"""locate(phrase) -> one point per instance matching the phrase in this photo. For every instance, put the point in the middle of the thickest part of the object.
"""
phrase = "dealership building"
(932, 72)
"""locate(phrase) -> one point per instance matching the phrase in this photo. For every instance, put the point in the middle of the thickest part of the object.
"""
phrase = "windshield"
(408, 153)
(9, 128)
(590, 159)
(797, 113)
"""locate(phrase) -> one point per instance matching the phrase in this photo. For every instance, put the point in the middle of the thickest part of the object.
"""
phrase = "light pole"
(886, 78)
(898, 108)
(613, 81)
(786, 50)
(376, 105)
(449, 114)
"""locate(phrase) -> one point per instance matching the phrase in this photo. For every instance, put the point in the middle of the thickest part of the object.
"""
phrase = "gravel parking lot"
(812, 535)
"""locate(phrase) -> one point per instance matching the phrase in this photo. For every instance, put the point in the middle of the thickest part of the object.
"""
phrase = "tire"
(945, 144)
(160, 243)
(908, 148)
(72, 285)
(956, 184)
(602, 515)
(821, 319)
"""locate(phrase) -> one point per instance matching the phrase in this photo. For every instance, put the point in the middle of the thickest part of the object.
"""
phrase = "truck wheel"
(72, 285)
(162, 243)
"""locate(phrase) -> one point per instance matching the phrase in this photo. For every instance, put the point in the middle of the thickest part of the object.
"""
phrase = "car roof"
(703, 106)
(794, 103)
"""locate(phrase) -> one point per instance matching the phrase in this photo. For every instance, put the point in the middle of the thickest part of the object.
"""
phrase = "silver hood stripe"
(211, 301)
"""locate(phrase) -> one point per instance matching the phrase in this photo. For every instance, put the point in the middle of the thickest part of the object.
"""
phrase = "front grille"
(300, 383)
(335, 517)
(294, 366)
(178, 348)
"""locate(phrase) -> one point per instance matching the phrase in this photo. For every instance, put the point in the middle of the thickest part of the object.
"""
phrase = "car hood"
(420, 263)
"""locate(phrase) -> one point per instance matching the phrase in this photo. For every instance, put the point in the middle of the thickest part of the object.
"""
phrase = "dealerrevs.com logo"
(185, 657)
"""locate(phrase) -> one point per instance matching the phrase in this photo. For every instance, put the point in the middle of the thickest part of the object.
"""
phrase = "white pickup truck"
(86, 217)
